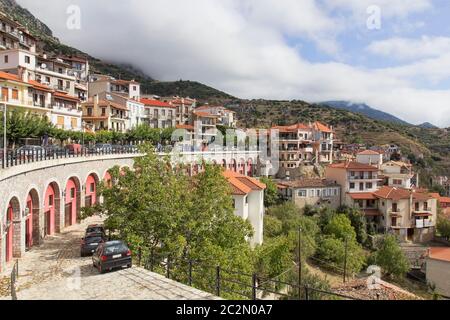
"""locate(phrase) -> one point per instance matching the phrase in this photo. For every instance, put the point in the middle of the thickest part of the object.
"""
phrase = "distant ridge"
(366, 110)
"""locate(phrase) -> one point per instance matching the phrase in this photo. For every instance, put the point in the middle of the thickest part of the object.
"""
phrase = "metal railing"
(14, 277)
(25, 156)
(226, 283)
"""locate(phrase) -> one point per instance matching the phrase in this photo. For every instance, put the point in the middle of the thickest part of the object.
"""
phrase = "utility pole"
(4, 134)
(299, 260)
(345, 259)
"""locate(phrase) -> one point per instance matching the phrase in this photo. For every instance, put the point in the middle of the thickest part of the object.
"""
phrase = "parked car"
(29, 152)
(53, 150)
(110, 255)
(74, 148)
(103, 147)
(95, 228)
(90, 243)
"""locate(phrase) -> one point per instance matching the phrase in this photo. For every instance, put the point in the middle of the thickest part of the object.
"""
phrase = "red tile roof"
(321, 127)
(291, 128)
(65, 96)
(442, 253)
(204, 114)
(394, 193)
(363, 196)
(185, 126)
(156, 103)
(369, 153)
(40, 86)
(10, 76)
(352, 165)
(242, 185)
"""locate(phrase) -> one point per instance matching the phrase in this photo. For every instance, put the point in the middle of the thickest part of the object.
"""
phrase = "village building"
(438, 270)
(159, 114)
(248, 200)
(311, 192)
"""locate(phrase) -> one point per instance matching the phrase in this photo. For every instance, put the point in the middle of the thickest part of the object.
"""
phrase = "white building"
(370, 157)
(398, 174)
(438, 270)
(248, 197)
(159, 114)
(225, 117)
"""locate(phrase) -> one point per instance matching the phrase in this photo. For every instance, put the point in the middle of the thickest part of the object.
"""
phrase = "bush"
(391, 258)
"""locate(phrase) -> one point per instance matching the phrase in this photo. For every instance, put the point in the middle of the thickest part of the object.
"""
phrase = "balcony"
(420, 224)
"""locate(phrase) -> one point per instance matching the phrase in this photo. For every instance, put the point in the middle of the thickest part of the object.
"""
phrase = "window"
(352, 185)
(246, 200)
(425, 206)
(72, 193)
(47, 79)
(417, 206)
(369, 185)
(335, 192)
(92, 187)
(60, 84)
(27, 59)
(352, 173)
(67, 84)
(103, 111)
(311, 193)
(302, 193)
(89, 111)
(15, 94)
(318, 192)
(6, 59)
(74, 122)
(397, 182)
(60, 121)
(5, 94)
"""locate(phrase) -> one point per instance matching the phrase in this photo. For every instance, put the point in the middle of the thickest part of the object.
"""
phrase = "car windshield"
(94, 229)
(94, 239)
(115, 248)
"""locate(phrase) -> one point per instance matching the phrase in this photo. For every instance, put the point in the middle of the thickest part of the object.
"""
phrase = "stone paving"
(55, 271)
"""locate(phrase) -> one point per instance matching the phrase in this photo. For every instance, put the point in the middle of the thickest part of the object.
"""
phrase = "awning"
(423, 214)
(363, 196)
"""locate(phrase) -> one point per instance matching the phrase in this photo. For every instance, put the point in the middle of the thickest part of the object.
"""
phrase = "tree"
(391, 258)
(271, 195)
(273, 227)
(341, 228)
(443, 226)
(358, 222)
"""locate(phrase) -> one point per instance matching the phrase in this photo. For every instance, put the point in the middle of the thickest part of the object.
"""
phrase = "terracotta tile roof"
(369, 153)
(40, 86)
(444, 199)
(442, 254)
(204, 114)
(94, 118)
(308, 183)
(352, 165)
(321, 127)
(241, 184)
(363, 196)
(156, 103)
(394, 193)
(10, 76)
(292, 128)
(65, 96)
(124, 82)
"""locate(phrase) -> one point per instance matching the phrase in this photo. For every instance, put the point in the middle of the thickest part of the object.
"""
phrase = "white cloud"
(241, 49)
(410, 48)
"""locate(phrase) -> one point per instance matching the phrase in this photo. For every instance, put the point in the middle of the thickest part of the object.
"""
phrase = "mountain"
(364, 109)
(126, 71)
(427, 125)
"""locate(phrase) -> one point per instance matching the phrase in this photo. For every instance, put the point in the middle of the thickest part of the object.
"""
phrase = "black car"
(97, 228)
(90, 243)
(110, 255)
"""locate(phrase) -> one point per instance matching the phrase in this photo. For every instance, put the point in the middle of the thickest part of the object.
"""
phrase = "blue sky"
(315, 50)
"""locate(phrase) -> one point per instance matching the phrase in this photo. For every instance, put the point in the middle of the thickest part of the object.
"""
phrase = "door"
(88, 201)
(47, 223)
(4, 94)
(68, 214)
(27, 234)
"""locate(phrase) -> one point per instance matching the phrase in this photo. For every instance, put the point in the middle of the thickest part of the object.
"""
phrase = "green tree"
(273, 227)
(391, 258)
(341, 228)
(358, 222)
(443, 226)
(271, 195)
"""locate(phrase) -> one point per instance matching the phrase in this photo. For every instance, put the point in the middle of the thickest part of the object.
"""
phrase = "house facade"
(105, 115)
(311, 192)
(159, 114)
(225, 117)
(248, 199)
(438, 270)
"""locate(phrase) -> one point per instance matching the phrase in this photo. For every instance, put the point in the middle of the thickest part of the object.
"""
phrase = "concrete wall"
(438, 273)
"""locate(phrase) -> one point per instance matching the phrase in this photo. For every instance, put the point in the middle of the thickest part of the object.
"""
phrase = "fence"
(231, 283)
(29, 155)
(14, 277)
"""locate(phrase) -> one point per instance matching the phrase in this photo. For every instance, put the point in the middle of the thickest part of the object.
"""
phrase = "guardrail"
(19, 157)
(246, 286)
(14, 277)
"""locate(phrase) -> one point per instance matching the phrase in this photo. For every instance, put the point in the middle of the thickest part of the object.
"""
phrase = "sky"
(393, 55)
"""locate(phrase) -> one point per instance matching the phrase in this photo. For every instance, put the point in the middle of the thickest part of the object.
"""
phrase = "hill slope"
(364, 109)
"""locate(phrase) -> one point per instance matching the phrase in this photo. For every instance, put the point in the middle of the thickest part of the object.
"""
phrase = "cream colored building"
(312, 192)
(159, 114)
(371, 157)
(398, 174)
(105, 115)
(438, 270)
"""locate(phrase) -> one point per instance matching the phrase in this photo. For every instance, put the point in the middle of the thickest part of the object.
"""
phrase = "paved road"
(55, 270)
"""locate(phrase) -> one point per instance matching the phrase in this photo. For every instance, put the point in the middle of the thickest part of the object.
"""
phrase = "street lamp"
(4, 133)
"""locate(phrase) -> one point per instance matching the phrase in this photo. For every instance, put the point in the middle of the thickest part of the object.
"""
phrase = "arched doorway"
(242, 166)
(107, 179)
(52, 215)
(224, 164)
(234, 165)
(250, 167)
(91, 190)
(72, 201)
(12, 230)
(32, 223)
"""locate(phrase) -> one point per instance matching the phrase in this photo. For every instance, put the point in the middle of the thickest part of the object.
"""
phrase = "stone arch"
(224, 164)
(72, 201)
(250, 168)
(233, 165)
(241, 166)
(91, 184)
(33, 234)
(12, 230)
(52, 208)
